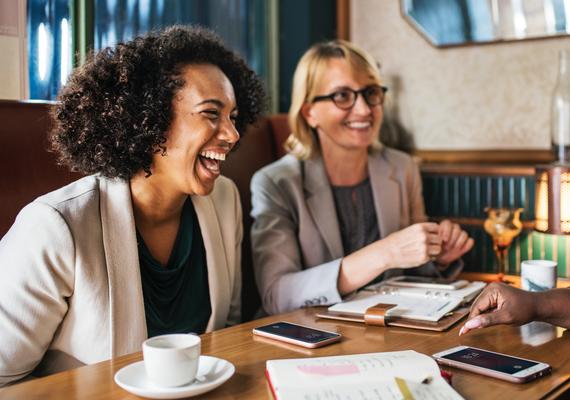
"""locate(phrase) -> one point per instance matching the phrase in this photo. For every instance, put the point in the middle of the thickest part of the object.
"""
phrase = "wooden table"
(249, 353)
(515, 280)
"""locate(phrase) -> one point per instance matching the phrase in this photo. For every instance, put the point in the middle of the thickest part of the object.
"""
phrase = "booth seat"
(28, 169)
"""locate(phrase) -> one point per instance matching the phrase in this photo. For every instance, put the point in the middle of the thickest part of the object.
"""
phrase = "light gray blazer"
(70, 292)
(296, 241)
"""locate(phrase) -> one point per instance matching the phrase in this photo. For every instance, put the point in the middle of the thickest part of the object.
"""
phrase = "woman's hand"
(456, 242)
(411, 246)
(501, 304)
(407, 248)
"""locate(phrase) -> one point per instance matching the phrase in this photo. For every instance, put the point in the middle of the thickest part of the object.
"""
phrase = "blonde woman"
(340, 210)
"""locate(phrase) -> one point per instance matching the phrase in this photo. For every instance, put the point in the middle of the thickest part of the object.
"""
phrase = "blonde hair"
(301, 142)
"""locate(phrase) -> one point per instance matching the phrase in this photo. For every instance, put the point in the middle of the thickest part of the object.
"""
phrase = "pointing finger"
(485, 302)
(474, 323)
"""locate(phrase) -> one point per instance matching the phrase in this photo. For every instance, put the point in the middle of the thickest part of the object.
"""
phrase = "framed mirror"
(457, 22)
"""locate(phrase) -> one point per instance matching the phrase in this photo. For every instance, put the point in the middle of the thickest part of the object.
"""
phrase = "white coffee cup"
(172, 360)
(538, 275)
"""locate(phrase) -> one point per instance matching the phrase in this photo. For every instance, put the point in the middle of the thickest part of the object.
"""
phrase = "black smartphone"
(496, 365)
(297, 334)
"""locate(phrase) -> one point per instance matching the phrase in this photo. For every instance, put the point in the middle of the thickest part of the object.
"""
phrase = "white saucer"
(212, 372)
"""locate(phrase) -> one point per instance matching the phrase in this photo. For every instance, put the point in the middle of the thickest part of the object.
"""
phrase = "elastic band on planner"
(376, 315)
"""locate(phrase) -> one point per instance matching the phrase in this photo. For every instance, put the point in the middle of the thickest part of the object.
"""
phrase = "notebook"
(382, 376)
(412, 307)
(467, 292)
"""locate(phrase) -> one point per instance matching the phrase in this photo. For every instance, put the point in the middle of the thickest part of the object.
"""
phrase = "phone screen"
(485, 359)
(298, 332)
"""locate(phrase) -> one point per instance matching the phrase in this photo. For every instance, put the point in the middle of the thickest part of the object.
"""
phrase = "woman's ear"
(308, 113)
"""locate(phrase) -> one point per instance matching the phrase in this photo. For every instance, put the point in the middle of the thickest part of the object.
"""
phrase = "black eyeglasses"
(345, 98)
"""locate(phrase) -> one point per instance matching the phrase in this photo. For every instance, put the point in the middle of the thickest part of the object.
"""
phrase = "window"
(271, 35)
(241, 23)
(49, 46)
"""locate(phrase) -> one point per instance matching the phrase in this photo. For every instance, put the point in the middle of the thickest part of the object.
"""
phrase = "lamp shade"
(552, 213)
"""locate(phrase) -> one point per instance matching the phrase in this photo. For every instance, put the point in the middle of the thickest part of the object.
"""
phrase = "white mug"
(538, 275)
(172, 360)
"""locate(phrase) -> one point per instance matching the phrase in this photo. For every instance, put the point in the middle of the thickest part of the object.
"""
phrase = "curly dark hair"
(115, 110)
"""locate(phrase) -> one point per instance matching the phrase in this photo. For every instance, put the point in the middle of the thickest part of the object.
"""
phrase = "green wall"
(462, 197)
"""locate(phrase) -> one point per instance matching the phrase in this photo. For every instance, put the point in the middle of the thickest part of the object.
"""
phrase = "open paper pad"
(380, 376)
(411, 303)
(411, 306)
(466, 293)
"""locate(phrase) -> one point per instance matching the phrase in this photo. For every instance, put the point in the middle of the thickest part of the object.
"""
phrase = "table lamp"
(552, 212)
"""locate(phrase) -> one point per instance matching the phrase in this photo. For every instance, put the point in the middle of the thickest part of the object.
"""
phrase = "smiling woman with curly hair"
(148, 242)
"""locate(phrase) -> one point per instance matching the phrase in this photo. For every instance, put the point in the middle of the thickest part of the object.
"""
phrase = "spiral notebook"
(408, 307)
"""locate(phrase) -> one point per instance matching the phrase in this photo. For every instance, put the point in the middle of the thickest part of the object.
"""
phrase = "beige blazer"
(71, 293)
(296, 241)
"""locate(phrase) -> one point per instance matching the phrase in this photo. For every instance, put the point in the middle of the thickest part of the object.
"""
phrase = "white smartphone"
(426, 282)
(495, 365)
(297, 334)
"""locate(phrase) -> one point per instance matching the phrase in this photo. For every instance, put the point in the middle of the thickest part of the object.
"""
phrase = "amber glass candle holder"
(503, 224)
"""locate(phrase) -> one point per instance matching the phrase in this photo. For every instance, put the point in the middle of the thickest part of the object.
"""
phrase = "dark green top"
(177, 296)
